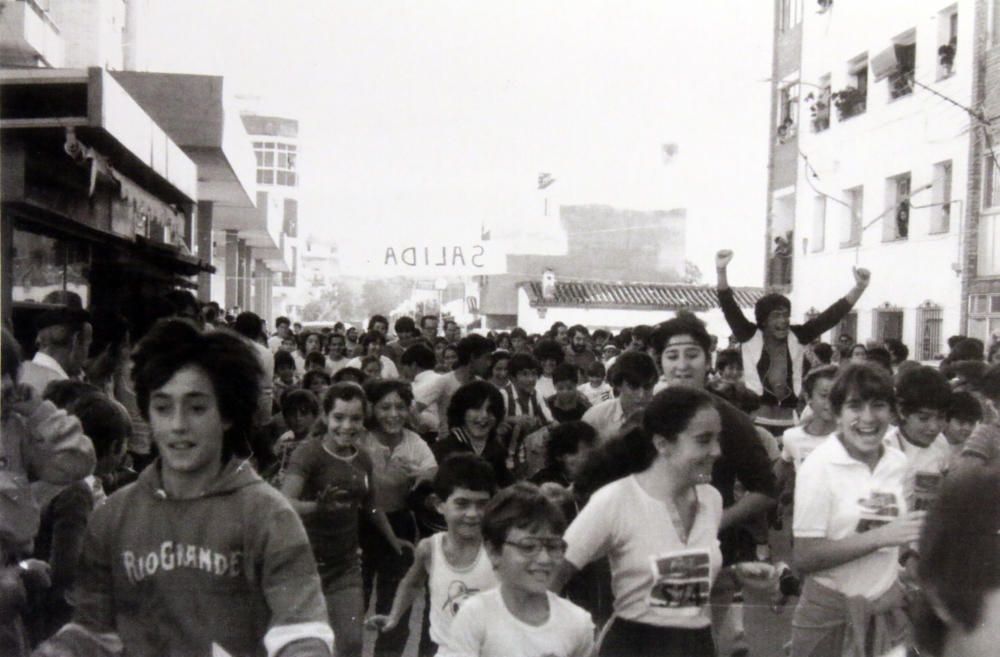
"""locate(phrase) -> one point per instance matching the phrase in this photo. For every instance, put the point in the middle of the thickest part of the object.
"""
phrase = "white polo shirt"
(832, 493)
(607, 418)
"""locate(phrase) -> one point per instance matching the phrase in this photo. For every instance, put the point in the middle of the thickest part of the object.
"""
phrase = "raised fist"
(723, 258)
(862, 276)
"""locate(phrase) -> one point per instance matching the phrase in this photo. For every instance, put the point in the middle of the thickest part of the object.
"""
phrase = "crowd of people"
(210, 485)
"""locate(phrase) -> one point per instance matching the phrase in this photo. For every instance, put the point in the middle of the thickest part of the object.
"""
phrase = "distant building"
(275, 260)
(603, 244)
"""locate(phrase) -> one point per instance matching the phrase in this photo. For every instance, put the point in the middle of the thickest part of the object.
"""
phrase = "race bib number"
(925, 489)
(681, 580)
(876, 510)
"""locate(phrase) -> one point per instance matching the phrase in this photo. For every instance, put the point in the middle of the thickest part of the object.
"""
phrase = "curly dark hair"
(549, 349)
(225, 358)
(473, 395)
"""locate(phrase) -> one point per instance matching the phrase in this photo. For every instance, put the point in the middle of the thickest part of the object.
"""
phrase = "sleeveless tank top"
(451, 586)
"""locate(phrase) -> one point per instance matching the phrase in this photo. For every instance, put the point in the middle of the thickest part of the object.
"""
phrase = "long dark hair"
(667, 415)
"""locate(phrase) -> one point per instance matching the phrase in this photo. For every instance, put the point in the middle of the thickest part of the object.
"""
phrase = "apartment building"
(873, 130)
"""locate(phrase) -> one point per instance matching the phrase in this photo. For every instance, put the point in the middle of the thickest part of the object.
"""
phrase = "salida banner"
(425, 259)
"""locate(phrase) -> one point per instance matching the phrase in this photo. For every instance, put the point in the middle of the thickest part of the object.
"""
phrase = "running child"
(330, 484)
(963, 414)
(567, 404)
(799, 441)
(596, 389)
(923, 396)
(300, 410)
(521, 617)
(452, 564)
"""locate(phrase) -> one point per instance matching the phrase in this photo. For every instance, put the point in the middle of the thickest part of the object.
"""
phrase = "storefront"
(96, 199)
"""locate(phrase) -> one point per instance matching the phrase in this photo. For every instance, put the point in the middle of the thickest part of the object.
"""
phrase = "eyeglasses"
(530, 547)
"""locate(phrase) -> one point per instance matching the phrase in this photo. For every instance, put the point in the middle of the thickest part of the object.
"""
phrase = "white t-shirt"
(656, 579)
(334, 366)
(451, 587)
(797, 444)
(428, 388)
(596, 395)
(389, 370)
(835, 497)
(607, 418)
(484, 627)
(545, 387)
(926, 464)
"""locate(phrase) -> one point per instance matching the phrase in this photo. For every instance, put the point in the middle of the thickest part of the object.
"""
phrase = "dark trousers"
(630, 639)
(382, 570)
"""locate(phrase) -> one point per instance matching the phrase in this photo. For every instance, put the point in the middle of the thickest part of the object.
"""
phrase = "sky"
(433, 118)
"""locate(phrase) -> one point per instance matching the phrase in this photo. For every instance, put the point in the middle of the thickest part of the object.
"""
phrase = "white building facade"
(882, 168)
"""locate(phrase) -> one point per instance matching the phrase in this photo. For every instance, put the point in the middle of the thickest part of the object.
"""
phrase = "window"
(984, 316)
(291, 218)
(928, 331)
(42, 265)
(852, 100)
(819, 224)
(896, 220)
(901, 81)
(851, 226)
(989, 221)
(788, 110)
(790, 14)
(847, 326)
(941, 198)
(991, 187)
(275, 163)
(888, 323)
(947, 42)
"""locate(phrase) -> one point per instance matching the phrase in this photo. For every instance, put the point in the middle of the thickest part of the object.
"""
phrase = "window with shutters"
(901, 81)
(928, 331)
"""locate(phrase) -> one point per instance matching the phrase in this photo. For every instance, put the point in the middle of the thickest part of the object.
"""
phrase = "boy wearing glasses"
(523, 534)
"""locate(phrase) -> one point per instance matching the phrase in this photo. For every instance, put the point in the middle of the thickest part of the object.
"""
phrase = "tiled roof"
(655, 296)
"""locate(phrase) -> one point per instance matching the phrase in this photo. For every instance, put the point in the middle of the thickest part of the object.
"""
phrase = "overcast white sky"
(433, 116)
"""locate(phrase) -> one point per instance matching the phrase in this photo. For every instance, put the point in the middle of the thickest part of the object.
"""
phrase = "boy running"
(453, 564)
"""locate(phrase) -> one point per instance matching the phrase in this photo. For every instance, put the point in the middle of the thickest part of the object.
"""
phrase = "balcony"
(29, 37)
